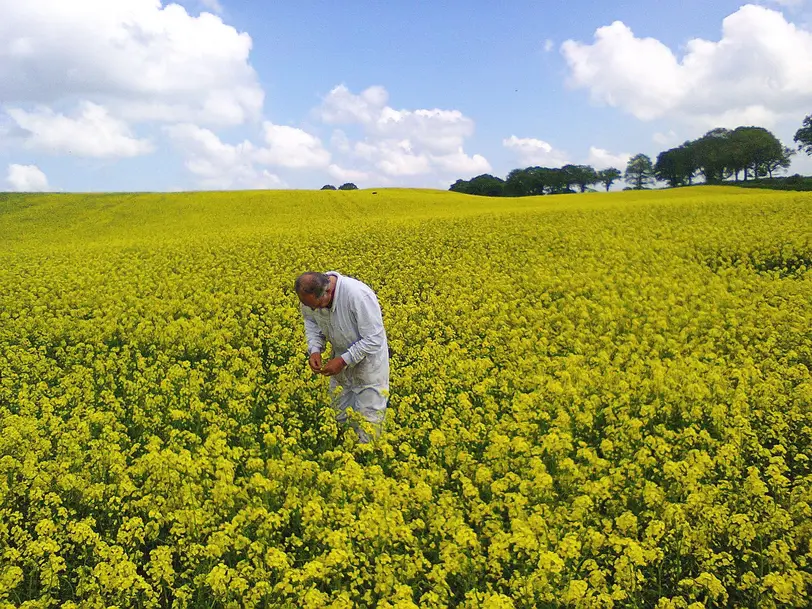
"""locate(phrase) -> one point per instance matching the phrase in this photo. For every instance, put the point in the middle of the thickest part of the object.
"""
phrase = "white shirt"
(354, 326)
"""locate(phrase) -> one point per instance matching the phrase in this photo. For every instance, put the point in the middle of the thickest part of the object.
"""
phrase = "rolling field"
(599, 400)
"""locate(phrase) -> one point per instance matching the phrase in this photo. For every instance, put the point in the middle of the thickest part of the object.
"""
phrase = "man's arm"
(316, 341)
(369, 319)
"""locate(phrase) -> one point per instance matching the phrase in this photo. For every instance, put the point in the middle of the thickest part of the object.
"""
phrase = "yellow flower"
(629, 392)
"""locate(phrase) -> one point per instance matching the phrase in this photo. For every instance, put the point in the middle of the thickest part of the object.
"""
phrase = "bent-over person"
(346, 312)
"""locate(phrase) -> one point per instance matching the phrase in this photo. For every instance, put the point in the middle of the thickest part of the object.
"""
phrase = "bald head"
(312, 284)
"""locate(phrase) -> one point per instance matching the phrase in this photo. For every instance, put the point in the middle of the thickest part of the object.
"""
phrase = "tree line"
(719, 155)
(345, 186)
(538, 181)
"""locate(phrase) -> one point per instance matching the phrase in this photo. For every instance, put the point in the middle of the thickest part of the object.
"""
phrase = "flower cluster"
(597, 401)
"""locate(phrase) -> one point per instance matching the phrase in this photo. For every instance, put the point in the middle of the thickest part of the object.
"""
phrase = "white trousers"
(369, 402)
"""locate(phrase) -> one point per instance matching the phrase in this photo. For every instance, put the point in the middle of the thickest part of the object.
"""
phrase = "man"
(346, 312)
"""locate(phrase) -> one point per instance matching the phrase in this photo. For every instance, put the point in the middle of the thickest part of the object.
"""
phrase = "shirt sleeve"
(316, 341)
(367, 313)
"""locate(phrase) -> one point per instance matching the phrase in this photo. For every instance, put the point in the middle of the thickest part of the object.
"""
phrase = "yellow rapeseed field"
(598, 400)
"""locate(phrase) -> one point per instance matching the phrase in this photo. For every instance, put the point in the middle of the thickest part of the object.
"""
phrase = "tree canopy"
(803, 137)
(536, 180)
(639, 172)
(721, 154)
(485, 185)
(608, 176)
(676, 167)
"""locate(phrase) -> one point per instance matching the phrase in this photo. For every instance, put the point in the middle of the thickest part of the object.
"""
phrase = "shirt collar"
(335, 293)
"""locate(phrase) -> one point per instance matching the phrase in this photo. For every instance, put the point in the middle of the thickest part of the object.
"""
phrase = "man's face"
(309, 300)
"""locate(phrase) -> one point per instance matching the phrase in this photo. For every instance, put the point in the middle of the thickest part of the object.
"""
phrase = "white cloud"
(340, 141)
(665, 139)
(93, 133)
(347, 175)
(460, 163)
(760, 71)
(343, 107)
(641, 75)
(26, 178)
(292, 147)
(394, 158)
(535, 152)
(548, 45)
(400, 158)
(603, 159)
(532, 152)
(141, 60)
(400, 143)
(219, 165)
(442, 131)
(734, 117)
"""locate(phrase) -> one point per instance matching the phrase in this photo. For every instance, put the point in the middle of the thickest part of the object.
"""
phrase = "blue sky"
(139, 95)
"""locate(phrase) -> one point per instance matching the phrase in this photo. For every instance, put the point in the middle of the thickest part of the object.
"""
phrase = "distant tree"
(754, 149)
(519, 183)
(608, 176)
(639, 172)
(675, 166)
(713, 156)
(459, 186)
(487, 185)
(803, 137)
(565, 178)
(484, 185)
(737, 145)
(783, 161)
(688, 161)
(328, 187)
(526, 182)
(666, 169)
(348, 186)
(581, 176)
(721, 154)
(557, 180)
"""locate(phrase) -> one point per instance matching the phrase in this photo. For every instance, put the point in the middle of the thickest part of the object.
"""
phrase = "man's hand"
(315, 362)
(334, 366)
